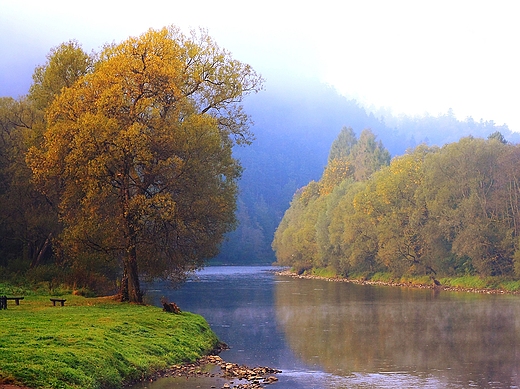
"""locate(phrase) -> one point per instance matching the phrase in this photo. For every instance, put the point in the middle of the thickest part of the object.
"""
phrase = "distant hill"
(295, 125)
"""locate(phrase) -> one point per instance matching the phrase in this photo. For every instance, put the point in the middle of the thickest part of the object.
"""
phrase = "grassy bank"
(467, 283)
(94, 342)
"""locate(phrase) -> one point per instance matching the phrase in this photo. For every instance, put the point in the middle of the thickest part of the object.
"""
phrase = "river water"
(339, 335)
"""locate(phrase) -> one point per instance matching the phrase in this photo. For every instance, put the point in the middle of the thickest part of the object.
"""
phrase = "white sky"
(410, 56)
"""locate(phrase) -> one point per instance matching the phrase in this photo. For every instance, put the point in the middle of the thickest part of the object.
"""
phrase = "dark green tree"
(342, 146)
(498, 136)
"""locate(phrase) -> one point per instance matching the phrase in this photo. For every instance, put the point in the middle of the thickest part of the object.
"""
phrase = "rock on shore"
(239, 376)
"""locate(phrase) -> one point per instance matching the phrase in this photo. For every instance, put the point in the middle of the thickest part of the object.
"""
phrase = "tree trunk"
(37, 259)
(123, 289)
(130, 286)
(134, 289)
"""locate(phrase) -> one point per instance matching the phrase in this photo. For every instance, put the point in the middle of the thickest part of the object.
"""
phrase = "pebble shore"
(289, 273)
(239, 376)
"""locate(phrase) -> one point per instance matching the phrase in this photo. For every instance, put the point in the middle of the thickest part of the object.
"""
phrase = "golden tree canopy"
(138, 152)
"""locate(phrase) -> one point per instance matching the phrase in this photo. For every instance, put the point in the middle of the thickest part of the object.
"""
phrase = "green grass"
(382, 277)
(475, 282)
(416, 280)
(94, 343)
(511, 286)
(326, 272)
(467, 282)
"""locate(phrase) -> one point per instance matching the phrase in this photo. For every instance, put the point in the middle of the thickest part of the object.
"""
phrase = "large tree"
(139, 154)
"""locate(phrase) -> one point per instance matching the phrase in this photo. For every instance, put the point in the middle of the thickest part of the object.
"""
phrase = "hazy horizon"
(405, 56)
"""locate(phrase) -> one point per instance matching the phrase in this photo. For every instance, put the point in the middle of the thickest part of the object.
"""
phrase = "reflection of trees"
(241, 312)
(350, 328)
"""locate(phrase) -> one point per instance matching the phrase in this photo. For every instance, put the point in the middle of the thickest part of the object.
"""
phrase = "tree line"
(437, 211)
(295, 123)
(118, 165)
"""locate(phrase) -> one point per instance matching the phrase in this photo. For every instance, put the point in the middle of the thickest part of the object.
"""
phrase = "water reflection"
(238, 303)
(326, 335)
(460, 339)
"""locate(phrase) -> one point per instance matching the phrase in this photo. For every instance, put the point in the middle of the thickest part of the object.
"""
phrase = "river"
(339, 335)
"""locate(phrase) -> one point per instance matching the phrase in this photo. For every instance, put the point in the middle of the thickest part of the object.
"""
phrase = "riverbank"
(444, 284)
(94, 342)
(222, 373)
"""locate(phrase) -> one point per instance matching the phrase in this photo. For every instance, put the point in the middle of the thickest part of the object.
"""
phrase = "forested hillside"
(437, 211)
(295, 122)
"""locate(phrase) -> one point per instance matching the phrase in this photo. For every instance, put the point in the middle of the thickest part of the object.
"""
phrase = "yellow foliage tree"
(335, 172)
(138, 152)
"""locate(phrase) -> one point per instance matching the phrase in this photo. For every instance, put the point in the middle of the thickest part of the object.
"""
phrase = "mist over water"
(336, 335)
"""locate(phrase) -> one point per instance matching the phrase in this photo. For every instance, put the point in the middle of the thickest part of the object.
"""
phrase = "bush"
(301, 267)
(17, 266)
(51, 275)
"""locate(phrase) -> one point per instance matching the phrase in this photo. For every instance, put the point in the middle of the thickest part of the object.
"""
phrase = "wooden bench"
(4, 299)
(16, 299)
(62, 301)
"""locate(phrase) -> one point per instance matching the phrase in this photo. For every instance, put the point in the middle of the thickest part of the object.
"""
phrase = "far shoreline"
(432, 286)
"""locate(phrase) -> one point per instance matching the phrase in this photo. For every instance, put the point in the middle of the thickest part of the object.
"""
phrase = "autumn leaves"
(138, 151)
